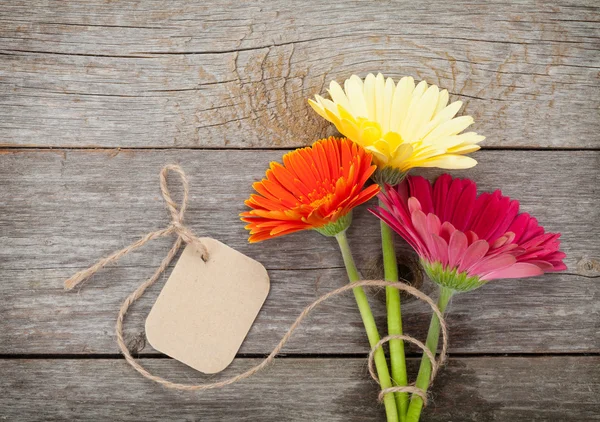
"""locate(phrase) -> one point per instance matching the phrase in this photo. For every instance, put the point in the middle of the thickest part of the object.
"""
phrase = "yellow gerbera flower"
(403, 126)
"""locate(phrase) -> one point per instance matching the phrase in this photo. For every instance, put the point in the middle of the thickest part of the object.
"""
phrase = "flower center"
(326, 199)
(323, 194)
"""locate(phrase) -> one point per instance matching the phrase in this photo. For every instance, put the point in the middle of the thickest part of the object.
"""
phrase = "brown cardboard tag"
(206, 309)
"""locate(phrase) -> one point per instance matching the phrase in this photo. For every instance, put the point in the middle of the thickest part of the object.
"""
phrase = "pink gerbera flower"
(465, 240)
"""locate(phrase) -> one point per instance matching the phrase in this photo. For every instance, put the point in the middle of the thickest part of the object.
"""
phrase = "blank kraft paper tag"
(206, 309)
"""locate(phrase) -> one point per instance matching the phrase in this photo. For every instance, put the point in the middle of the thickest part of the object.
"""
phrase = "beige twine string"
(186, 235)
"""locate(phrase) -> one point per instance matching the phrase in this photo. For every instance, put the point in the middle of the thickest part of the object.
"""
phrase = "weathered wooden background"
(95, 97)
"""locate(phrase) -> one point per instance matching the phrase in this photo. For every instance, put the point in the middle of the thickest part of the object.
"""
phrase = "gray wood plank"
(236, 74)
(60, 211)
(471, 389)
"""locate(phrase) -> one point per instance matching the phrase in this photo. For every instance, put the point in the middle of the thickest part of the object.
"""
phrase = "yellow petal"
(382, 146)
(318, 108)
(379, 97)
(425, 152)
(451, 127)
(442, 101)
(358, 80)
(401, 102)
(354, 91)
(464, 149)
(415, 98)
(333, 118)
(393, 140)
(419, 90)
(420, 113)
(329, 105)
(450, 161)
(371, 133)
(338, 96)
(439, 118)
(388, 96)
(470, 138)
(344, 114)
(379, 157)
(446, 143)
(369, 94)
(401, 156)
(351, 131)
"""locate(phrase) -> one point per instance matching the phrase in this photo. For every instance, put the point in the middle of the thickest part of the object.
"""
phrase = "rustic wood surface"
(78, 206)
(237, 74)
(96, 97)
(475, 389)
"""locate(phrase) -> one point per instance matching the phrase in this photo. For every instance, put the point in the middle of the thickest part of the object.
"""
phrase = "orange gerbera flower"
(315, 188)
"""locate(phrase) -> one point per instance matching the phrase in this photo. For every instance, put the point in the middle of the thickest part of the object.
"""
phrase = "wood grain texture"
(238, 74)
(472, 389)
(63, 210)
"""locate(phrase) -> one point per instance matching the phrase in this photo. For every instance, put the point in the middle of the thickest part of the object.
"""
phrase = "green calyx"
(388, 175)
(451, 279)
(338, 226)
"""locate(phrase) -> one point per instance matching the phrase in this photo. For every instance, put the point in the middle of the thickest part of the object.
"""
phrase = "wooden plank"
(472, 389)
(63, 210)
(209, 74)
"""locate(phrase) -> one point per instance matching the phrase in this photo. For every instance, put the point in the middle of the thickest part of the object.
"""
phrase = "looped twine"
(183, 233)
(186, 235)
(177, 215)
(435, 364)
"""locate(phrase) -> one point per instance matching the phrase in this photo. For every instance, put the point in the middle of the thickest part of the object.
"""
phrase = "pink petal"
(543, 265)
(497, 217)
(420, 188)
(446, 231)
(385, 197)
(456, 248)
(403, 228)
(487, 218)
(413, 205)
(419, 221)
(433, 224)
(533, 229)
(473, 254)
(499, 242)
(454, 194)
(557, 266)
(402, 190)
(513, 248)
(540, 240)
(472, 237)
(464, 206)
(441, 249)
(398, 204)
(555, 256)
(518, 270)
(519, 225)
(530, 254)
(506, 218)
(478, 207)
(491, 264)
(440, 192)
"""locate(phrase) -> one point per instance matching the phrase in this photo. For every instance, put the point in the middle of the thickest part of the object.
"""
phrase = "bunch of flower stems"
(399, 407)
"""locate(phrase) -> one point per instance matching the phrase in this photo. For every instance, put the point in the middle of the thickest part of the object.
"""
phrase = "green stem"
(433, 336)
(370, 327)
(394, 317)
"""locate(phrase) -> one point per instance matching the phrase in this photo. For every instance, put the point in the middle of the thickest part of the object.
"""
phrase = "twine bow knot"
(184, 234)
(177, 225)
